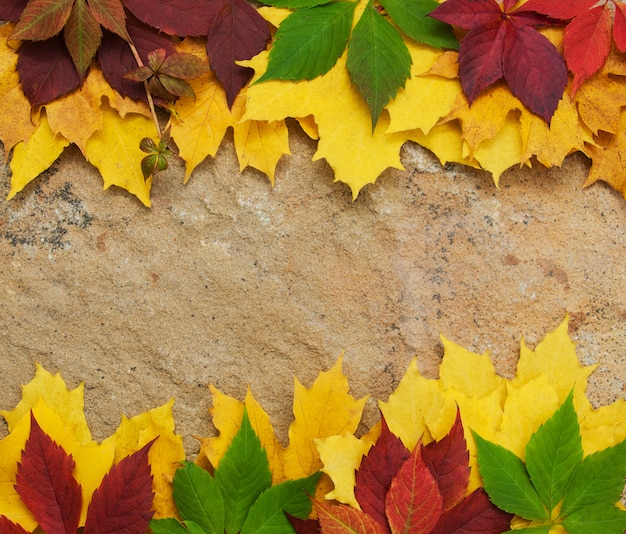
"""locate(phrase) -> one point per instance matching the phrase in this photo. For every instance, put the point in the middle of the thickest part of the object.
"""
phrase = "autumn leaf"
(341, 519)
(46, 485)
(505, 44)
(123, 501)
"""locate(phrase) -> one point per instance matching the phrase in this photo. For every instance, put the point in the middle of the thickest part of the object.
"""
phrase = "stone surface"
(232, 282)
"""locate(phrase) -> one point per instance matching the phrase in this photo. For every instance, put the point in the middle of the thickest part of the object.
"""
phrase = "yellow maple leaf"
(165, 456)
(504, 411)
(608, 158)
(339, 455)
(356, 154)
(200, 123)
(15, 117)
(114, 151)
(34, 156)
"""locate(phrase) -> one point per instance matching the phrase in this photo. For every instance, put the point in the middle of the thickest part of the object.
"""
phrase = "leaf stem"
(147, 89)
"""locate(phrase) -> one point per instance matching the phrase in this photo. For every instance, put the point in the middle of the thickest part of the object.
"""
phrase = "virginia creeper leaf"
(586, 43)
(378, 61)
(172, 526)
(46, 70)
(553, 452)
(296, 4)
(242, 475)
(305, 526)
(237, 32)
(475, 513)
(559, 10)
(309, 42)
(534, 69)
(507, 482)
(377, 469)
(175, 17)
(413, 502)
(468, 15)
(9, 527)
(412, 16)
(42, 19)
(342, 519)
(116, 59)
(123, 501)
(267, 515)
(110, 15)
(599, 478)
(82, 36)
(45, 483)
(448, 461)
(598, 519)
(619, 26)
(198, 498)
(11, 10)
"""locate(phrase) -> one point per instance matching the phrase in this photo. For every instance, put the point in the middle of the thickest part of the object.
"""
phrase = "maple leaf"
(503, 43)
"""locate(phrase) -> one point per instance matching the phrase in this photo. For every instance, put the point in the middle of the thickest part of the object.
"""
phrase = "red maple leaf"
(123, 501)
(503, 43)
(45, 483)
(587, 37)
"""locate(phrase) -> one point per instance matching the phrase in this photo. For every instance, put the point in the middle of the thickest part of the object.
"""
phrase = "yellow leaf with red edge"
(227, 413)
(114, 151)
(34, 156)
(324, 409)
(608, 163)
(356, 154)
(165, 456)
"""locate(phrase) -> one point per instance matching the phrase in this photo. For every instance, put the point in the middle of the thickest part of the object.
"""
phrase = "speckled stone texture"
(232, 282)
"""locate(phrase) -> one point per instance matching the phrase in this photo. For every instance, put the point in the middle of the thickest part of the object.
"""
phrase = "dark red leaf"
(123, 502)
(619, 27)
(534, 69)
(175, 17)
(559, 10)
(116, 59)
(376, 472)
(46, 70)
(342, 519)
(480, 58)
(45, 483)
(413, 501)
(304, 526)
(9, 527)
(11, 10)
(474, 514)
(238, 32)
(448, 461)
(468, 14)
(587, 43)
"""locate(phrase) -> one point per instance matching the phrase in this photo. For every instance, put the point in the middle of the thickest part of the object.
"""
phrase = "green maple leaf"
(557, 485)
(80, 22)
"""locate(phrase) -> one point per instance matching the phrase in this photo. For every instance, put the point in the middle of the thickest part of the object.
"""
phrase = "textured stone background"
(229, 281)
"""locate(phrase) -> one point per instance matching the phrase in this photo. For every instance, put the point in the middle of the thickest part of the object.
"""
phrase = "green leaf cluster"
(556, 485)
(239, 497)
(311, 40)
